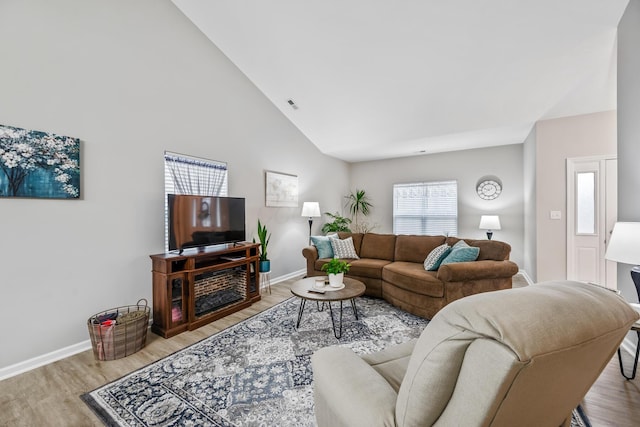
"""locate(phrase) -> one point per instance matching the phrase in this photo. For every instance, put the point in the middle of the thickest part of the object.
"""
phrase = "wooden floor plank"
(50, 395)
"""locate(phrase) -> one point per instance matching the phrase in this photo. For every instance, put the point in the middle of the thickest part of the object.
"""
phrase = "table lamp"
(311, 210)
(624, 247)
(489, 223)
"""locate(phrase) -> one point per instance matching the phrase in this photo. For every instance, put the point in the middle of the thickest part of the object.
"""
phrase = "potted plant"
(339, 223)
(336, 269)
(358, 204)
(264, 236)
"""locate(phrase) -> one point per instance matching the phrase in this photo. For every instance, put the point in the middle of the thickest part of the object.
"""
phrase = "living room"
(133, 79)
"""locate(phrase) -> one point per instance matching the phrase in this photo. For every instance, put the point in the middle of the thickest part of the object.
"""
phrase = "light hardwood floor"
(49, 396)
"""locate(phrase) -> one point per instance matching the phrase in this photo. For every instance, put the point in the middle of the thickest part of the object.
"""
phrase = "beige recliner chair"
(518, 357)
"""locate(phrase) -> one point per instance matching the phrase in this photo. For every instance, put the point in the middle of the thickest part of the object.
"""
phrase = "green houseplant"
(336, 269)
(264, 236)
(358, 204)
(339, 223)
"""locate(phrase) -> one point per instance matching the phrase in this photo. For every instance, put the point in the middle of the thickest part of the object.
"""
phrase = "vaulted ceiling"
(373, 79)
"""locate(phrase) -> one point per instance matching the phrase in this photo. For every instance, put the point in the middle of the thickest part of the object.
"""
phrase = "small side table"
(265, 280)
(634, 327)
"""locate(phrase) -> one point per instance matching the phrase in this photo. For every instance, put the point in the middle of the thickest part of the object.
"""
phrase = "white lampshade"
(624, 244)
(311, 209)
(489, 222)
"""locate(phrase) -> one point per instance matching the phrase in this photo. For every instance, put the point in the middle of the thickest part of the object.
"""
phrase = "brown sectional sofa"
(392, 268)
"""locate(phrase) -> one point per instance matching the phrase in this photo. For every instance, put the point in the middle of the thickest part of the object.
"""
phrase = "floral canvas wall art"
(38, 164)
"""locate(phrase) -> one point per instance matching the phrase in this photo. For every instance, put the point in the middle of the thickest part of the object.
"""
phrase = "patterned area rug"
(256, 373)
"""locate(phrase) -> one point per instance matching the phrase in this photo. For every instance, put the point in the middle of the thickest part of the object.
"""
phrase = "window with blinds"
(191, 175)
(426, 208)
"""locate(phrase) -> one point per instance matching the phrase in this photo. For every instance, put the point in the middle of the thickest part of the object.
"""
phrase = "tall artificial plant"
(358, 204)
(264, 236)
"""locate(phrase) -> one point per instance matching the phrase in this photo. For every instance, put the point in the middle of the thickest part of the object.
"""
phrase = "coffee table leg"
(353, 305)
(635, 361)
(333, 322)
(302, 303)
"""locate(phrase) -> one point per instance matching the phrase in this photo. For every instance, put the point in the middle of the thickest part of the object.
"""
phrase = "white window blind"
(191, 175)
(426, 208)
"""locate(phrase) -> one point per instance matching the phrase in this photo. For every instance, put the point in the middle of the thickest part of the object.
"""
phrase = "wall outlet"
(555, 215)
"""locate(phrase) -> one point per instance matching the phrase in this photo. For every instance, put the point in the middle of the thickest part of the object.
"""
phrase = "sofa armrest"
(348, 392)
(310, 253)
(476, 270)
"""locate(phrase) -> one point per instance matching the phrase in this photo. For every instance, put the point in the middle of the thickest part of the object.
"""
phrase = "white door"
(591, 213)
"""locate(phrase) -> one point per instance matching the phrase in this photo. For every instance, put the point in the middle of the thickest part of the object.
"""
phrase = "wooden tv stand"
(201, 285)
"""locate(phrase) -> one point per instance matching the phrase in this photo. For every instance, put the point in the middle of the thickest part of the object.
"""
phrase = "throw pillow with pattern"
(435, 257)
(343, 248)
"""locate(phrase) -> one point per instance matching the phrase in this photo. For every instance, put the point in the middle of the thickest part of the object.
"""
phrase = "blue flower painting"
(38, 164)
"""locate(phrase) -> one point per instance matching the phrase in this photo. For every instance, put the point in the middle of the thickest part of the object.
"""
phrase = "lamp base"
(635, 276)
(489, 234)
(310, 223)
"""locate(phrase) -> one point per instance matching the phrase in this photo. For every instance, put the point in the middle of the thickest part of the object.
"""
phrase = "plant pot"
(335, 280)
(265, 266)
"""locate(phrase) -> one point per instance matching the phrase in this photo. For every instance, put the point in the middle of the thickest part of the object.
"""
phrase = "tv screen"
(197, 221)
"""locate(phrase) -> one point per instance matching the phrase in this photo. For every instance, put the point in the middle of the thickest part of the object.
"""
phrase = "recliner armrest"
(348, 392)
(476, 270)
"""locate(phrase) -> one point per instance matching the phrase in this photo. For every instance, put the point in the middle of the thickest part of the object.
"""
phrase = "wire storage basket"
(119, 332)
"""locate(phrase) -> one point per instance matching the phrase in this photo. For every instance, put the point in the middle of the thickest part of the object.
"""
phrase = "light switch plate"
(555, 215)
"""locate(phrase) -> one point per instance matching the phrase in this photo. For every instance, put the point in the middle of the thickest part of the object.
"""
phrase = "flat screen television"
(199, 221)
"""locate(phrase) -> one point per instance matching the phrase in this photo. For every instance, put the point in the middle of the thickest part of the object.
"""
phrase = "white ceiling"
(377, 79)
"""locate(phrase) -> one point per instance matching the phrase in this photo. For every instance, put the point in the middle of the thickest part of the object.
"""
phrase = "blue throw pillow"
(461, 252)
(323, 245)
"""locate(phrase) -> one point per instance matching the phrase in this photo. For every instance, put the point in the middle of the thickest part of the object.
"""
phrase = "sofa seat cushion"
(367, 267)
(413, 277)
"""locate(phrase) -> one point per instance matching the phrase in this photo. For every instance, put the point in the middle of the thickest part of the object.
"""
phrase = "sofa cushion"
(378, 246)
(367, 267)
(435, 257)
(493, 250)
(413, 277)
(416, 248)
(343, 248)
(461, 252)
(323, 245)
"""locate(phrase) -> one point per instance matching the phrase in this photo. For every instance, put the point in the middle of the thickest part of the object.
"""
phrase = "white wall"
(556, 140)
(628, 131)
(130, 79)
(529, 189)
(505, 162)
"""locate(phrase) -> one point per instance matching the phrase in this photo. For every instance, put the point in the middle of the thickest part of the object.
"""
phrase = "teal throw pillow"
(323, 245)
(435, 257)
(461, 252)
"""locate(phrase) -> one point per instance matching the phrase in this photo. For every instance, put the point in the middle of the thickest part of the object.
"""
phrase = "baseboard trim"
(45, 359)
(526, 277)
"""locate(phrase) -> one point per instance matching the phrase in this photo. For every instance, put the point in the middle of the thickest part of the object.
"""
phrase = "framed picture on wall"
(38, 164)
(281, 190)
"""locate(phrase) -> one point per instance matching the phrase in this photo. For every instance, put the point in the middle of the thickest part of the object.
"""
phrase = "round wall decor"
(489, 187)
